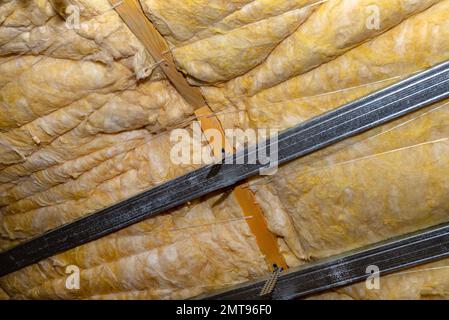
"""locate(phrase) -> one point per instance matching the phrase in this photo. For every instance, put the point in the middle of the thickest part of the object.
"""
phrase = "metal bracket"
(271, 282)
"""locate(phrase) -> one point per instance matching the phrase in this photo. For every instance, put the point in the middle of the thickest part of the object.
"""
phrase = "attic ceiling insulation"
(89, 105)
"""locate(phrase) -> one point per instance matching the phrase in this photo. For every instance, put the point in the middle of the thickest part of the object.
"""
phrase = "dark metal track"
(389, 256)
(383, 106)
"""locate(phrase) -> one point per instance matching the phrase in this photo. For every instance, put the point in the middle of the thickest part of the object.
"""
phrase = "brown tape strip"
(132, 14)
(266, 240)
(208, 121)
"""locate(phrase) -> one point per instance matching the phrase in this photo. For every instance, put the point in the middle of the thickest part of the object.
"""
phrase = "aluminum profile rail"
(406, 96)
(390, 256)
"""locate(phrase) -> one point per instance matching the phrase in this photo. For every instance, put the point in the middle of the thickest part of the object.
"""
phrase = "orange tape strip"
(266, 240)
(208, 121)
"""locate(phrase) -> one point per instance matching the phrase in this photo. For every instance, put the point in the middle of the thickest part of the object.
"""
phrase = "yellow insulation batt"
(86, 115)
